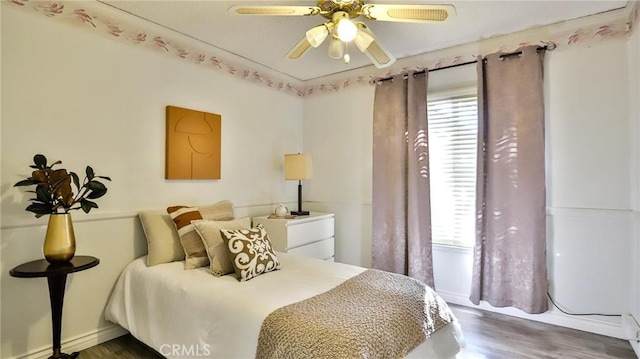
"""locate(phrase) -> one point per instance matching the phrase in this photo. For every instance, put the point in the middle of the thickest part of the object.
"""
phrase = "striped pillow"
(195, 253)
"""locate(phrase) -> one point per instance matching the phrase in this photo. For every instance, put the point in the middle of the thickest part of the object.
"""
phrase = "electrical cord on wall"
(560, 309)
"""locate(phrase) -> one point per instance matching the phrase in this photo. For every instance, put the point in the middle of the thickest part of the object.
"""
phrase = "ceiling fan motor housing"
(329, 7)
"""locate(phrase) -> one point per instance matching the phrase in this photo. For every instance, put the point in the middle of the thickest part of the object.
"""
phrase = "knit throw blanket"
(375, 314)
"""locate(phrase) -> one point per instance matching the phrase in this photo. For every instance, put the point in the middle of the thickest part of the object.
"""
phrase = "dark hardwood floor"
(491, 335)
(488, 336)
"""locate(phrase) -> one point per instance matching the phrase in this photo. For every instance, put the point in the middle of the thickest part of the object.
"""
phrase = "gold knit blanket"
(375, 314)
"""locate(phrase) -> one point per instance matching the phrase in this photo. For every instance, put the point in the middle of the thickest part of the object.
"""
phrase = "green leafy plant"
(53, 188)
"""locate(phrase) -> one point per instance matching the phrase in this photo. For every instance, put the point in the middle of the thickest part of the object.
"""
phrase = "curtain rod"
(549, 47)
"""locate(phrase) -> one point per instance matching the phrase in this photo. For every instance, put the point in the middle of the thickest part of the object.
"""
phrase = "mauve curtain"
(509, 266)
(401, 238)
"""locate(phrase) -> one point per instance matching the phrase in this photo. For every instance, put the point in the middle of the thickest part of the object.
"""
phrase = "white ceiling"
(266, 39)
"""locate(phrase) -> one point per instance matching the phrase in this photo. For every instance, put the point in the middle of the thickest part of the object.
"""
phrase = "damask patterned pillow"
(250, 252)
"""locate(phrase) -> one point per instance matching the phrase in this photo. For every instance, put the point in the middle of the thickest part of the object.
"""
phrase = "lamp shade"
(317, 35)
(298, 167)
(336, 48)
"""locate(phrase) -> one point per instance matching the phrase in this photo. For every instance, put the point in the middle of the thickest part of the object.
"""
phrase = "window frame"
(440, 95)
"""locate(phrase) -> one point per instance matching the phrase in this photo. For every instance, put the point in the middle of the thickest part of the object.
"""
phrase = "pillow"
(195, 253)
(219, 211)
(217, 251)
(250, 252)
(163, 242)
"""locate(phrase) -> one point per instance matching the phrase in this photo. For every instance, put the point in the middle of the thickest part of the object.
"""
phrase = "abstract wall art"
(193, 144)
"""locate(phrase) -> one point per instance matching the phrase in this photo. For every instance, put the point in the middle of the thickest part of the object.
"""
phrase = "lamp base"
(300, 213)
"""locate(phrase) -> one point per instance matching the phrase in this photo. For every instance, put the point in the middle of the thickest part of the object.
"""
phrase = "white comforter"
(192, 314)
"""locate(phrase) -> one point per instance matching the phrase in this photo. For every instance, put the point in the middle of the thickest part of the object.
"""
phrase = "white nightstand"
(310, 236)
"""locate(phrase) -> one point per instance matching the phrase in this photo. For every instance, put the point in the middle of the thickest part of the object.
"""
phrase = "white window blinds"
(453, 127)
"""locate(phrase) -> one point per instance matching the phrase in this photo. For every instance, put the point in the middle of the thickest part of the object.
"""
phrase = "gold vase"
(60, 241)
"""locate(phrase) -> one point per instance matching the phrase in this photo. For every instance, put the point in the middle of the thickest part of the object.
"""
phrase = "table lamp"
(298, 167)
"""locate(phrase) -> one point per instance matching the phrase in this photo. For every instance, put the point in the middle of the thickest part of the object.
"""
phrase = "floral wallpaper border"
(84, 14)
(554, 36)
(585, 31)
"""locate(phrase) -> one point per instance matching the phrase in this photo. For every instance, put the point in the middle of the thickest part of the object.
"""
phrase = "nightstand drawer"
(301, 234)
(321, 250)
(311, 235)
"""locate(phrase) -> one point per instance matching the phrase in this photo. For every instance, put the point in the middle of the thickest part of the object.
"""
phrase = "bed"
(191, 314)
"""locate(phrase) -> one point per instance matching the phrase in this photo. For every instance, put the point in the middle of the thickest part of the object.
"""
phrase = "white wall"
(634, 109)
(338, 133)
(589, 169)
(84, 100)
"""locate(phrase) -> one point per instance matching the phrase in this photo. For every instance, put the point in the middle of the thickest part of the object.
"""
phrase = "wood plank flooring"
(488, 336)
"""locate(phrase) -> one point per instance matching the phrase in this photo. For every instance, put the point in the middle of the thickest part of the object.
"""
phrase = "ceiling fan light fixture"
(317, 35)
(346, 30)
(336, 48)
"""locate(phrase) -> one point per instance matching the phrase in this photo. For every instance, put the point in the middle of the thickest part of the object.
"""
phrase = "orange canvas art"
(193, 144)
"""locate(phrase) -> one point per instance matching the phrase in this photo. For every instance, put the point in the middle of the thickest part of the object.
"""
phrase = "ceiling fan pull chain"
(346, 56)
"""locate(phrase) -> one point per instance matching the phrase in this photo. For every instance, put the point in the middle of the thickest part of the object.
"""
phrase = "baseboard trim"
(591, 325)
(78, 343)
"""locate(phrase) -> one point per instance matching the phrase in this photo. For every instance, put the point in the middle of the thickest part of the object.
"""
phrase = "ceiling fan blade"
(276, 10)
(363, 38)
(299, 50)
(378, 54)
(408, 13)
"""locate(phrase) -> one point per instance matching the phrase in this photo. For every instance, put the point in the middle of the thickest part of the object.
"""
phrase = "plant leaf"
(105, 177)
(97, 193)
(43, 195)
(40, 161)
(90, 173)
(62, 187)
(87, 205)
(95, 185)
(39, 208)
(40, 176)
(55, 163)
(27, 182)
(76, 179)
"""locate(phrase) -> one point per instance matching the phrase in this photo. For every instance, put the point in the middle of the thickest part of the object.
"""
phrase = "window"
(453, 130)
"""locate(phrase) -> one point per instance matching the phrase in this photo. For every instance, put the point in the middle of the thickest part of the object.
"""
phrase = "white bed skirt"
(192, 314)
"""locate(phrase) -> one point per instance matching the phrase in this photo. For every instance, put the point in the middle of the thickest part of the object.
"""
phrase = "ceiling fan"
(344, 31)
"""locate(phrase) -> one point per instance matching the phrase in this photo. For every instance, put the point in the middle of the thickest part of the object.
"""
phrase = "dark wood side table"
(56, 275)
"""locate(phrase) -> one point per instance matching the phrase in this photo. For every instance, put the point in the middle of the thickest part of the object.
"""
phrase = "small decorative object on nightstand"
(281, 210)
(56, 275)
(310, 236)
